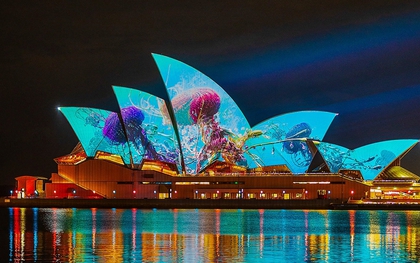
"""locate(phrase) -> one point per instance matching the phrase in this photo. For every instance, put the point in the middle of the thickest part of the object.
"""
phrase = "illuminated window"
(163, 195)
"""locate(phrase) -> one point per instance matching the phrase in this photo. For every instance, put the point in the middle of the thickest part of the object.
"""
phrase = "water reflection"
(135, 235)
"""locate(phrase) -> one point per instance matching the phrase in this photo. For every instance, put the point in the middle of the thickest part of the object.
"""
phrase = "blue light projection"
(148, 127)
(326, 51)
(370, 159)
(283, 139)
(333, 155)
(211, 126)
(98, 130)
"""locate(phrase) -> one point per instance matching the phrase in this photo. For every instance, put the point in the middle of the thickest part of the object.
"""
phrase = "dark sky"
(360, 59)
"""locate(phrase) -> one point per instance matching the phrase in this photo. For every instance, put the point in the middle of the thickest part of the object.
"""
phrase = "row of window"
(234, 195)
(184, 183)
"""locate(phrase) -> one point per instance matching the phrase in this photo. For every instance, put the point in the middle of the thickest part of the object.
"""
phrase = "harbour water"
(209, 235)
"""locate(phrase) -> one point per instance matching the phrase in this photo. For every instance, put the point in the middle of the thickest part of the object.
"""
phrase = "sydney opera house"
(201, 146)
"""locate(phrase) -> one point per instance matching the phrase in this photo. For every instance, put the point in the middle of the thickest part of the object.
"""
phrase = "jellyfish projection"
(133, 118)
(98, 131)
(199, 107)
(209, 121)
(294, 145)
(297, 147)
(204, 105)
(148, 127)
(284, 139)
(113, 129)
(384, 159)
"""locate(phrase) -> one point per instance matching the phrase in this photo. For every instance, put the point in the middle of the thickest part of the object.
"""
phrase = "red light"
(134, 191)
(352, 192)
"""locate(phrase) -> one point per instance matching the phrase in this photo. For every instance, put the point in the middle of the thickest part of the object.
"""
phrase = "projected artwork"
(210, 124)
(374, 158)
(334, 155)
(150, 135)
(210, 127)
(98, 130)
(283, 139)
(370, 159)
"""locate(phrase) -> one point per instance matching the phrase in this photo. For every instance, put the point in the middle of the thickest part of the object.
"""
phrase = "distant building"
(30, 186)
(201, 146)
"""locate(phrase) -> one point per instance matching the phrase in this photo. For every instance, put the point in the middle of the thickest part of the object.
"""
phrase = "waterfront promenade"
(168, 203)
(213, 204)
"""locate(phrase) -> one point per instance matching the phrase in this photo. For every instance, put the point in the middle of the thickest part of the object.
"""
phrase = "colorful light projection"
(370, 159)
(373, 158)
(150, 132)
(98, 130)
(211, 126)
(283, 139)
(333, 155)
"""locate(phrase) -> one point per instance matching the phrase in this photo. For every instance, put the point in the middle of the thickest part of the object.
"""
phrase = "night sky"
(360, 59)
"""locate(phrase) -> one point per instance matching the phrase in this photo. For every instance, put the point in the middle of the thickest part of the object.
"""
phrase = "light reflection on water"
(201, 235)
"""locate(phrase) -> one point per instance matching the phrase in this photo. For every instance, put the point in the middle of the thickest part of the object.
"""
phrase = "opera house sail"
(211, 126)
(149, 129)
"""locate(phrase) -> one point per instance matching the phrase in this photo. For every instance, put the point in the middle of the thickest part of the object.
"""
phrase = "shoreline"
(167, 203)
(315, 204)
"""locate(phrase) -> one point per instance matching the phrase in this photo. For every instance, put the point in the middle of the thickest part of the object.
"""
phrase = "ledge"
(168, 203)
